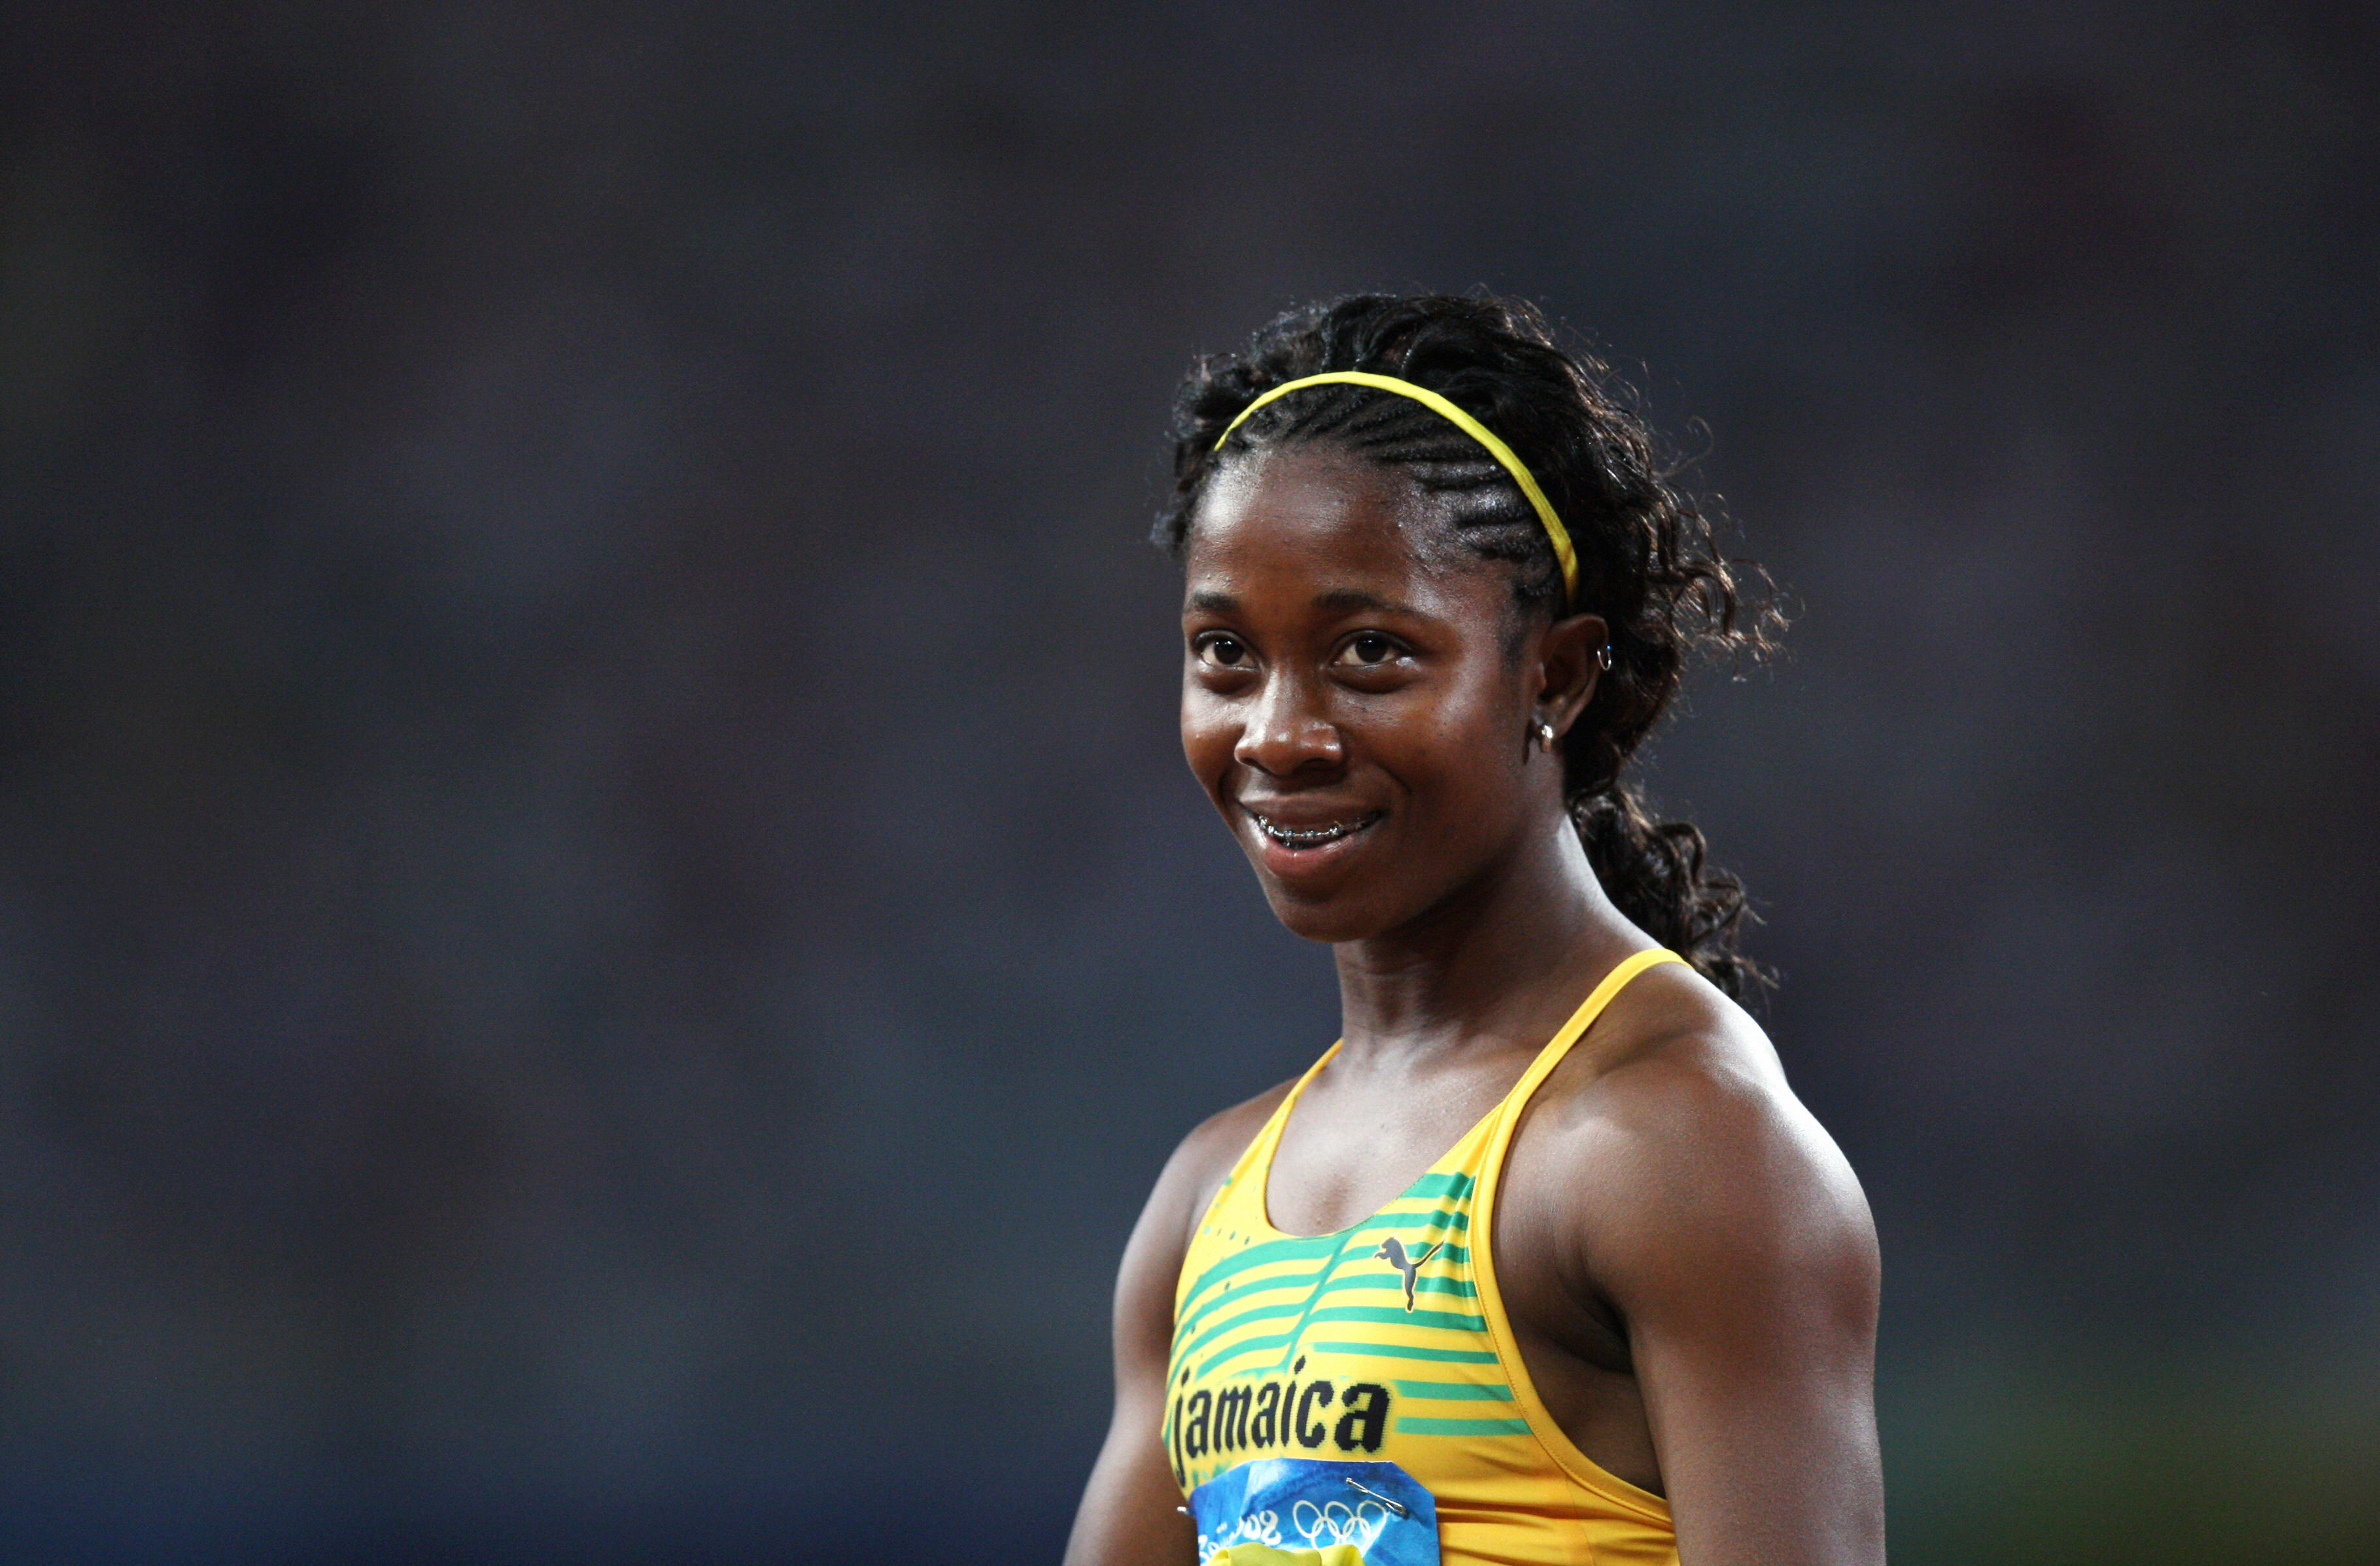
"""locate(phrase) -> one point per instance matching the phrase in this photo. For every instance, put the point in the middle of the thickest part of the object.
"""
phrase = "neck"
(1498, 964)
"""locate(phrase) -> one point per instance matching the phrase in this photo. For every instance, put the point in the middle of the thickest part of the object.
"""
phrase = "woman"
(1543, 1261)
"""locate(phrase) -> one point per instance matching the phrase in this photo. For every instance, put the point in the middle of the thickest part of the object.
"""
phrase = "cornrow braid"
(1647, 560)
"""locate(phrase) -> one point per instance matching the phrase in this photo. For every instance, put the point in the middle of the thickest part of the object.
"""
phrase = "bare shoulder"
(1671, 1149)
(1131, 1510)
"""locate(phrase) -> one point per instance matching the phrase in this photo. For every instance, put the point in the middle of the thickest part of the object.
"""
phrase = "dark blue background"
(601, 925)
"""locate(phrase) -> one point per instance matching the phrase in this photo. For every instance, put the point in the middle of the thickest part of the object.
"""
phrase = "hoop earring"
(1545, 733)
(1603, 658)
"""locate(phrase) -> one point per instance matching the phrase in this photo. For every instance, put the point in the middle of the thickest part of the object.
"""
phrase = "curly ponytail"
(1649, 562)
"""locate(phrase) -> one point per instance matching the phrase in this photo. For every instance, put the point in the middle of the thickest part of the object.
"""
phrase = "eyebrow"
(1350, 601)
(1338, 601)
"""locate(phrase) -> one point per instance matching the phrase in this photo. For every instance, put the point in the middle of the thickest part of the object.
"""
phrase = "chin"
(1332, 920)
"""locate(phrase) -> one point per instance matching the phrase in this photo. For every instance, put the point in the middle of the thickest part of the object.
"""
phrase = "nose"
(1287, 733)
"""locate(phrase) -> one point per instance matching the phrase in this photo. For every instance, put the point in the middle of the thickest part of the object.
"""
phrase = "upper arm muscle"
(1131, 1512)
(1731, 1236)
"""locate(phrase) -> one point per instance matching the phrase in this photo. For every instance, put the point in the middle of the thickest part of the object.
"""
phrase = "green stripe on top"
(1316, 1247)
(1303, 1248)
(1338, 1254)
(1252, 1288)
(1440, 1217)
(1407, 1351)
(1389, 1278)
(1449, 1320)
(1453, 1391)
(1389, 1282)
(1386, 1277)
(1262, 1313)
(1244, 1346)
(1463, 1427)
(1455, 1185)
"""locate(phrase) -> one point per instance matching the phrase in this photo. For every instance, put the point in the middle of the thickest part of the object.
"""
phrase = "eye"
(1367, 650)
(1219, 650)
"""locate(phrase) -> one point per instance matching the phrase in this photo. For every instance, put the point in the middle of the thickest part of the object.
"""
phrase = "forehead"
(1319, 519)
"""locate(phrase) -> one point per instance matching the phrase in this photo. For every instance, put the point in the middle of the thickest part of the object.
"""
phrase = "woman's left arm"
(1729, 1232)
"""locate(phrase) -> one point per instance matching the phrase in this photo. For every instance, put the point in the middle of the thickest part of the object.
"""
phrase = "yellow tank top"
(1357, 1397)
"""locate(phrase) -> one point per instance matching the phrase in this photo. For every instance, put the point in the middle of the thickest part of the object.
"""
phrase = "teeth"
(1307, 837)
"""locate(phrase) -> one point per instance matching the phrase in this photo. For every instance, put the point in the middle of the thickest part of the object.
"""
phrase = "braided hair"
(1648, 561)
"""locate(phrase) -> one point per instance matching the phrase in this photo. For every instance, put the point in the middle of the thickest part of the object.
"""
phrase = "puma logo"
(1393, 1251)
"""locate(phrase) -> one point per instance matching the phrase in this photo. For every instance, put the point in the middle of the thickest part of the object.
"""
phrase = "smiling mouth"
(1311, 837)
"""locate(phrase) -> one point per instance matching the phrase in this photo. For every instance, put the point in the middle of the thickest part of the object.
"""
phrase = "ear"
(1564, 668)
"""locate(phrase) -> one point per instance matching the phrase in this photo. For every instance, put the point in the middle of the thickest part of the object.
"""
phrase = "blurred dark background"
(592, 854)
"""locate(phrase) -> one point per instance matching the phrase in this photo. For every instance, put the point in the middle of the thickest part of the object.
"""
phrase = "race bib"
(1306, 1511)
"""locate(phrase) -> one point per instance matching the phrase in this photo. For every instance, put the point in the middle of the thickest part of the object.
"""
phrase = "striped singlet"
(1359, 1395)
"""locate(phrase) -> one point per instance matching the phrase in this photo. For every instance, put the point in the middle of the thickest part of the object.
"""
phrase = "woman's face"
(1351, 697)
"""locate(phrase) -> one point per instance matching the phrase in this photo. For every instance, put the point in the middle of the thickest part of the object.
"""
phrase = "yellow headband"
(1460, 420)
